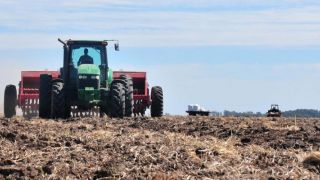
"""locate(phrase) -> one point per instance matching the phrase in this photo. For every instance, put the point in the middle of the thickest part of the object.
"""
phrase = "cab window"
(86, 55)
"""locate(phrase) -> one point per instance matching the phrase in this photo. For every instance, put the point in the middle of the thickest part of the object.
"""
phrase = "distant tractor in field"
(85, 84)
(274, 111)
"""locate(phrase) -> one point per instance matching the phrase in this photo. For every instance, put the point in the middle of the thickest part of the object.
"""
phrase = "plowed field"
(172, 147)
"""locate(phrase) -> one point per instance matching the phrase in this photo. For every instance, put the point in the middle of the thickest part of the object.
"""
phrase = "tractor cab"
(85, 71)
(274, 111)
(274, 107)
(86, 62)
(85, 81)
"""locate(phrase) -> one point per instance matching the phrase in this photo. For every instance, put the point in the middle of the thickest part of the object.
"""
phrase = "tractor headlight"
(82, 77)
(95, 77)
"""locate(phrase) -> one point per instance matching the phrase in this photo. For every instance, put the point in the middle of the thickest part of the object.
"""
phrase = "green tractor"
(87, 82)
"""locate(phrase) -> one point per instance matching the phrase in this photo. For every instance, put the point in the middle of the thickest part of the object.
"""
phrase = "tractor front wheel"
(45, 96)
(59, 107)
(157, 101)
(117, 100)
(10, 101)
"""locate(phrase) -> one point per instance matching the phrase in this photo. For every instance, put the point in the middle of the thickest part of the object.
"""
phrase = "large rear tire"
(157, 101)
(10, 101)
(117, 100)
(45, 96)
(128, 95)
(59, 107)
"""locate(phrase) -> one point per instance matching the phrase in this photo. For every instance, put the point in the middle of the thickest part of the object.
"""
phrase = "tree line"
(308, 113)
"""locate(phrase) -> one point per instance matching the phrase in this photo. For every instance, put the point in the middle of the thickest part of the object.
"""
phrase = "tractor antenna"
(62, 42)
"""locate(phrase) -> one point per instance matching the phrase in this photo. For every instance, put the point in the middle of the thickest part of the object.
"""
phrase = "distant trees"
(302, 113)
(243, 114)
(216, 113)
(308, 113)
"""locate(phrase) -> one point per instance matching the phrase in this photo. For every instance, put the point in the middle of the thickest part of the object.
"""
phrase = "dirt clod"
(312, 162)
(48, 168)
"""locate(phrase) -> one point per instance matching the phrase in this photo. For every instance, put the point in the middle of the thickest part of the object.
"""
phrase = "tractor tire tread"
(117, 100)
(45, 96)
(10, 101)
(58, 107)
(157, 101)
(128, 95)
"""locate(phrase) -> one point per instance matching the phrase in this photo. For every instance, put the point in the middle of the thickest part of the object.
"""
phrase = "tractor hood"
(89, 69)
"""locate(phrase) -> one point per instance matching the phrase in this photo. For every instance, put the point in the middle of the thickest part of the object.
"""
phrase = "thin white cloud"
(42, 20)
(194, 3)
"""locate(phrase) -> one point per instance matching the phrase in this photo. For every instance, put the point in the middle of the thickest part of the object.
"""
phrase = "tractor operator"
(85, 59)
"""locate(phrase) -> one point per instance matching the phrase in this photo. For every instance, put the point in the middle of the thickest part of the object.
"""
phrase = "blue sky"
(223, 54)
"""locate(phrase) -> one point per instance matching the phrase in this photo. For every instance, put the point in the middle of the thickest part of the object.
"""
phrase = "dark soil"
(158, 148)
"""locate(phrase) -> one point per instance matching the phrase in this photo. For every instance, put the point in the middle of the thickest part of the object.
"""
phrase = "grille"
(94, 83)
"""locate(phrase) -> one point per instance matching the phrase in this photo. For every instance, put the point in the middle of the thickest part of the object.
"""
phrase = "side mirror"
(116, 46)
